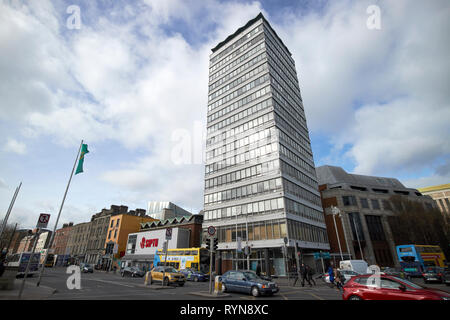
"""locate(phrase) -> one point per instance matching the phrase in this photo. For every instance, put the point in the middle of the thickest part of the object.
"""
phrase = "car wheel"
(195, 279)
(255, 291)
(224, 288)
(354, 298)
(166, 281)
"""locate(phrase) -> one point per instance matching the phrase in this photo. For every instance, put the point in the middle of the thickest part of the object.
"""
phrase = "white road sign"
(43, 220)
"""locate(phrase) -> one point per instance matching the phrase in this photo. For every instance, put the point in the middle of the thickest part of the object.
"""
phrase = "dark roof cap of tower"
(249, 23)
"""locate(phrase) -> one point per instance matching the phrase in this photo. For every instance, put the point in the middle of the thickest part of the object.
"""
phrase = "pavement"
(30, 291)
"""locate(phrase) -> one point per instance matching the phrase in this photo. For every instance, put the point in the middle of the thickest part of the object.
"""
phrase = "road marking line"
(111, 282)
(283, 296)
(316, 296)
(289, 292)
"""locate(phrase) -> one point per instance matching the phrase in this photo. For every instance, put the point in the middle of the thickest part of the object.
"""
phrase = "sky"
(130, 78)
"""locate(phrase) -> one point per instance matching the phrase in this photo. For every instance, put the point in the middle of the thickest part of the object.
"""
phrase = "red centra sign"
(147, 243)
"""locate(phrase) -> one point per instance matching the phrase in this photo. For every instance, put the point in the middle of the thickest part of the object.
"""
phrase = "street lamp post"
(248, 248)
(357, 237)
(335, 211)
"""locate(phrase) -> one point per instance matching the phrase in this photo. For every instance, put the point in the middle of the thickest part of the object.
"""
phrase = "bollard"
(146, 278)
(217, 285)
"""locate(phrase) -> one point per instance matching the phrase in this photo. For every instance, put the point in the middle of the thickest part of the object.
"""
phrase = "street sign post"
(166, 248)
(169, 234)
(211, 232)
(36, 237)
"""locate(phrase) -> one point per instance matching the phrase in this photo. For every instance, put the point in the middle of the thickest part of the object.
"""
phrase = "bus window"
(194, 266)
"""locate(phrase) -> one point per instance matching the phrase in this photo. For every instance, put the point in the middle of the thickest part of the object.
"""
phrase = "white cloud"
(129, 77)
(12, 145)
(383, 93)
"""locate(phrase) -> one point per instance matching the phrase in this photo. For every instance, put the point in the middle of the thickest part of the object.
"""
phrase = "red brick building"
(61, 238)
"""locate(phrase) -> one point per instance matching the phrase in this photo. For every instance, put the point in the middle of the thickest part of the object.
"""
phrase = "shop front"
(142, 246)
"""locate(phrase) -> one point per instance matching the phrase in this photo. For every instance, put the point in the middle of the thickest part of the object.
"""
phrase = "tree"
(6, 236)
(412, 223)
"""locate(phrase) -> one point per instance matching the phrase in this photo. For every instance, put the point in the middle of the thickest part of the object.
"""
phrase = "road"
(101, 285)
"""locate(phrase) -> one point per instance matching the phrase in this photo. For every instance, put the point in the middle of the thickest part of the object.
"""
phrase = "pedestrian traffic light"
(208, 244)
(216, 244)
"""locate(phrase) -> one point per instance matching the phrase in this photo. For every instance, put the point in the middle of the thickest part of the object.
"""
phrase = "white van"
(358, 266)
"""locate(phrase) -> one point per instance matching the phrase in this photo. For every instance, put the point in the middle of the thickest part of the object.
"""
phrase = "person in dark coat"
(258, 270)
(309, 274)
(295, 271)
(304, 275)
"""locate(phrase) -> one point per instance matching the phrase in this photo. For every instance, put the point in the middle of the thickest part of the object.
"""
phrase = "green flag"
(84, 150)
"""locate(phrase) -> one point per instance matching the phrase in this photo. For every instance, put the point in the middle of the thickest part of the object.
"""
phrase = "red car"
(388, 288)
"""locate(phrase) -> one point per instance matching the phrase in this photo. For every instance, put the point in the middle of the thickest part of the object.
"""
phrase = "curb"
(155, 287)
(208, 295)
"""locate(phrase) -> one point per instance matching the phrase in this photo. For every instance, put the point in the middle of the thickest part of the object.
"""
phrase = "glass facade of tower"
(260, 179)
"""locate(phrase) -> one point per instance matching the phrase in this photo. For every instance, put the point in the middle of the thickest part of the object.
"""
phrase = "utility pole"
(357, 237)
(210, 264)
(166, 246)
(5, 220)
(335, 211)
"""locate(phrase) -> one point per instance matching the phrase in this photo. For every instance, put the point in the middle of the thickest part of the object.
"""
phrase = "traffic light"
(216, 244)
(208, 244)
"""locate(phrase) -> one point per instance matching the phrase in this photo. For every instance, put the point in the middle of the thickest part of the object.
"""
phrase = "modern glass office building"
(261, 188)
(165, 209)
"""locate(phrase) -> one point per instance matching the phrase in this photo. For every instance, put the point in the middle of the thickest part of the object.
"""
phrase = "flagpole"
(57, 219)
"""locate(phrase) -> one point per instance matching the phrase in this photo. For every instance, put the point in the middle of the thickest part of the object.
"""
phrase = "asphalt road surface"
(101, 285)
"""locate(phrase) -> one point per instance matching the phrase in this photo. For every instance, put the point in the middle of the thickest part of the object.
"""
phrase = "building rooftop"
(168, 222)
(435, 188)
(334, 175)
(248, 24)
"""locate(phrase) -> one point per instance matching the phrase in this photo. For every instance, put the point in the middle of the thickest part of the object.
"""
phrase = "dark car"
(396, 272)
(247, 282)
(446, 277)
(389, 288)
(433, 274)
(132, 272)
(194, 275)
(85, 268)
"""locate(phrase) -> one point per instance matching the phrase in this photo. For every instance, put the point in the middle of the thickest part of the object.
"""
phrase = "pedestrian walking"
(331, 275)
(309, 274)
(294, 269)
(258, 270)
(304, 275)
(338, 279)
